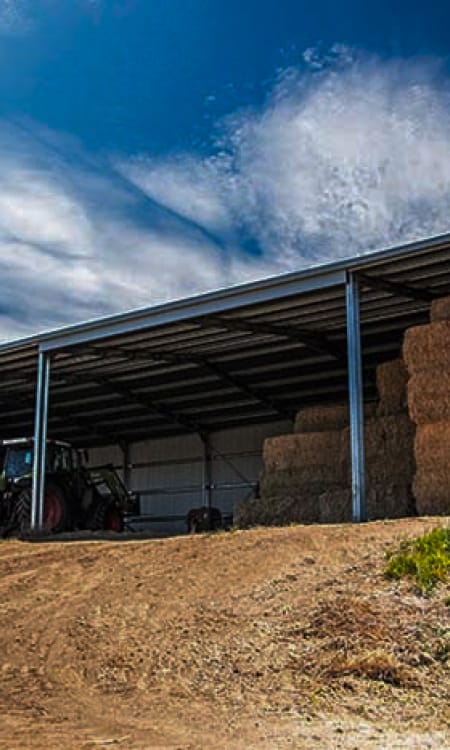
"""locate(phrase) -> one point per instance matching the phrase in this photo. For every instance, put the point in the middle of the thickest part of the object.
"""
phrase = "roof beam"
(397, 288)
(206, 365)
(314, 340)
(113, 387)
(87, 427)
(254, 393)
(155, 408)
(65, 418)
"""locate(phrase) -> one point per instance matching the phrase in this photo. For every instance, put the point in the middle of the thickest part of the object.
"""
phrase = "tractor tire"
(106, 516)
(23, 510)
(56, 510)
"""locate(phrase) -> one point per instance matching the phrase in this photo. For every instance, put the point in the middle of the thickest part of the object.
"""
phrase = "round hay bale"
(440, 309)
(287, 452)
(427, 347)
(429, 397)
(392, 378)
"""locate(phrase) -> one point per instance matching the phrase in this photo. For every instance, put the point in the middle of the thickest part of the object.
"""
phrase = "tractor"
(76, 496)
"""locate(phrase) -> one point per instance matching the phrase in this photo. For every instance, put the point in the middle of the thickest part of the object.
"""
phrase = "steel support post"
(126, 465)
(207, 488)
(40, 441)
(356, 398)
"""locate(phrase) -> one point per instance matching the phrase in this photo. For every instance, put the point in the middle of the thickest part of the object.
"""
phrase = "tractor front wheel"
(106, 517)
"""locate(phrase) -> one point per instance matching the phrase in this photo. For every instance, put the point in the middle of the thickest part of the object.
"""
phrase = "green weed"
(425, 559)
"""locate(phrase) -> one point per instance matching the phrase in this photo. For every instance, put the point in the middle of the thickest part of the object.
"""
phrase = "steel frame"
(232, 309)
(40, 441)
(356, 399)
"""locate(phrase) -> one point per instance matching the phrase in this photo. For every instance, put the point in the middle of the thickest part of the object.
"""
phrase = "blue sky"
(154, 149)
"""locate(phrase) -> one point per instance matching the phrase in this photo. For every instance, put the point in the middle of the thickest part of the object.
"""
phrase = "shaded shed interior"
(276, 346)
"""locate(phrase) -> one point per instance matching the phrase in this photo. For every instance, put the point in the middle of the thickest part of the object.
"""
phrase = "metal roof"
(237, 356)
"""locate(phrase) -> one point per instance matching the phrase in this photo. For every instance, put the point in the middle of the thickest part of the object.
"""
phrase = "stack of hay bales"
(440, 309)
(392, 380)
(426, 352)
(307, 475)
(389, 444)
(322, 418)
(298, 468)
(389, 452)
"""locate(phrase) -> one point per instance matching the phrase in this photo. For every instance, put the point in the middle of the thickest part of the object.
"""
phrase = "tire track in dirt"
(222, 639)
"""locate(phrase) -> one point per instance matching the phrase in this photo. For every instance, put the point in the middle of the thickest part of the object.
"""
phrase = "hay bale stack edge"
(427, 355)
(307, 474)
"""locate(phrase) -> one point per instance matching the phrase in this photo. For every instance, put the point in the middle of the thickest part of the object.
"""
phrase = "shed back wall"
(169, 474)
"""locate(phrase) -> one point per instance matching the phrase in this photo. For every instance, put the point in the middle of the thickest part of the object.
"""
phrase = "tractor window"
(59, 458)
(18, 463)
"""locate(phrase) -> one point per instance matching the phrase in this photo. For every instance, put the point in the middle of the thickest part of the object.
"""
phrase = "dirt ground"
(269, 638)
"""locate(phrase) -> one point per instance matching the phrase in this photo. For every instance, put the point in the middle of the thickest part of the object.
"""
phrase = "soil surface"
(269, 638)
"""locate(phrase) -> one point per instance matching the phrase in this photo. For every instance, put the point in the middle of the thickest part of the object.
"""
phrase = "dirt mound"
(265, 638)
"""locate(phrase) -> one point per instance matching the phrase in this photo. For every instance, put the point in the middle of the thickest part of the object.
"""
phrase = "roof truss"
(396, 287)
(314, 340)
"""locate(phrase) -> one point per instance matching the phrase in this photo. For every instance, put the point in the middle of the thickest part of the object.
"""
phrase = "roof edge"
(313, 277)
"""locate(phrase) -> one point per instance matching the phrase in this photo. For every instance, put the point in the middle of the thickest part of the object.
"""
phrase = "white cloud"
(14, 17)
(345, 156)
(185, 184)
(359, 160)
(77, 240)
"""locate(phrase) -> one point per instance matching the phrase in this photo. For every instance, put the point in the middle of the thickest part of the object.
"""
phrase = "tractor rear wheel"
(56, 509)
(106, 517)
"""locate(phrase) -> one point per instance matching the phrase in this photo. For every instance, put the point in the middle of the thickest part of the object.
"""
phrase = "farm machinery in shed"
(76, 496)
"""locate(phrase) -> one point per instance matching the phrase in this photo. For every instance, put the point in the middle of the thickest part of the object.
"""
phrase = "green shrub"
(426, 559)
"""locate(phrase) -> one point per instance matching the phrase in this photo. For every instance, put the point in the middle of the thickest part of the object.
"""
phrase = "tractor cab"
(76, 496)
(18, 459)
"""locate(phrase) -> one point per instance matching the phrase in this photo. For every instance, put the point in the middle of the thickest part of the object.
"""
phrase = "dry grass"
(267, 638)
(377, 665)
(357, 638)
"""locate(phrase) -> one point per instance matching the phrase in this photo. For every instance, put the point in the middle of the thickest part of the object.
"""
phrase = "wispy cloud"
(15, 17)
(20, 17)
(77, 240)
(347, 154)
